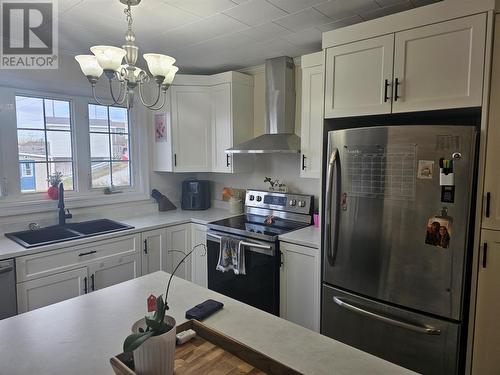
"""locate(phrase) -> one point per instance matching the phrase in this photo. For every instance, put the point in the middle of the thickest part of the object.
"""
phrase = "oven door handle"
(245, 243)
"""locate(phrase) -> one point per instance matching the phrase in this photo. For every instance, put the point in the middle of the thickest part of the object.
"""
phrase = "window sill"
(37, 203)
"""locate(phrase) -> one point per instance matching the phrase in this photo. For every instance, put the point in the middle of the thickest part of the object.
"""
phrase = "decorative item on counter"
(111, 190)
(316, 218)
(54, 180)
(164, 204)
(228, 192)
(276, 186)
(235, 205)
(153, 338)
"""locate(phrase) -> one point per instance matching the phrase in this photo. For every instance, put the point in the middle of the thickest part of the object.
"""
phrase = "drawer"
(46, 263)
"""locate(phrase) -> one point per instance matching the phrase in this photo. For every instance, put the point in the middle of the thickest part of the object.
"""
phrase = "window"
(44, 142)
(109, 146)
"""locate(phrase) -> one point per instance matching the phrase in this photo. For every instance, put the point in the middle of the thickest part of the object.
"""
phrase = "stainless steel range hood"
(280, 134)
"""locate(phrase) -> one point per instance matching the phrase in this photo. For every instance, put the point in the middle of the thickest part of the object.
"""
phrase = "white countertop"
(309, 236)
(78, 336)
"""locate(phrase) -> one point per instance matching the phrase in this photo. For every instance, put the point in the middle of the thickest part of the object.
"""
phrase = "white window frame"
(13, 202)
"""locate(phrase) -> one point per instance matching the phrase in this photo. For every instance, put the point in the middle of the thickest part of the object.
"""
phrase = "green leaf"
(159, 309)
(155, 326)
(135, 340)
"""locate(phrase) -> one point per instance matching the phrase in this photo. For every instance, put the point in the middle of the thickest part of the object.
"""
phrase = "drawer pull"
(87, 253)
(85, 289)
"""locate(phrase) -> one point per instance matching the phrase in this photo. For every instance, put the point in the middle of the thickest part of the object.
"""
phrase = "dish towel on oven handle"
(231, 256)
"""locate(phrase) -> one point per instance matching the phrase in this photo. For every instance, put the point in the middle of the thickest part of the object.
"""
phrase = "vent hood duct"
(280, 134)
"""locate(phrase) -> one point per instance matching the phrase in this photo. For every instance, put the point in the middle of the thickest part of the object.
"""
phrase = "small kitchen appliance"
(267, 215)
(195, 195)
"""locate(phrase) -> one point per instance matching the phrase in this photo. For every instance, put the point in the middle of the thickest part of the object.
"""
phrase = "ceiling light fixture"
(109, 60)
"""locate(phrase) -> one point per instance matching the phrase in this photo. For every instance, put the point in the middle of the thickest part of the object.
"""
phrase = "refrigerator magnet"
(425, 169)
(439, 231)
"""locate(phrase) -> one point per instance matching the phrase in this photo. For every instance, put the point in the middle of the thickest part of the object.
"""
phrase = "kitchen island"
(78, 336)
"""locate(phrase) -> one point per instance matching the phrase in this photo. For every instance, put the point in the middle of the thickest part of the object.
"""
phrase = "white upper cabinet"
(358, 76)
(312, 114)
(440, 66)
(222, 129)
(191, 128)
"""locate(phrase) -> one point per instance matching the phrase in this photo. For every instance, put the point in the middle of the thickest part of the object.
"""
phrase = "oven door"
(259, 287)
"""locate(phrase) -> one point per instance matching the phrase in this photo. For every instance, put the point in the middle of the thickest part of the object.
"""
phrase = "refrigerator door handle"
(412, 327)
(331, 250)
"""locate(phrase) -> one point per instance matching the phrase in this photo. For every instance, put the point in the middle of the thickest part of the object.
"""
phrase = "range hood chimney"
(280, 134)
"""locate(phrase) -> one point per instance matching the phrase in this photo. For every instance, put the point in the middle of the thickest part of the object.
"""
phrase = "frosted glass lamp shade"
(108, 57)
(158, 64)
(89, 65)
(169, 77)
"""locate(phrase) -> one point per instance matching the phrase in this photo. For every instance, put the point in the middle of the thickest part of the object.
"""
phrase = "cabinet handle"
(175, 160)
(85, 285)
(145, 246)
(304, 162)
(485, 254)
(282, 263)
(87, 253)
(227, 160)
(92, 281)
(386, 88)
(488, 202)
(396, 85)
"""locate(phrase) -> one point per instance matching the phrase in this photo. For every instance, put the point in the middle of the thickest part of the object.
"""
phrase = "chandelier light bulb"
(89, 65)
(109, 57)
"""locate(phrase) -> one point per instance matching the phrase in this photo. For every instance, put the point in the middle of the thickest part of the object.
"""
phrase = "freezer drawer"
(411, 340)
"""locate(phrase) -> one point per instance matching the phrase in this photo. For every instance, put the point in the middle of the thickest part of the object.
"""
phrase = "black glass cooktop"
(256, 224)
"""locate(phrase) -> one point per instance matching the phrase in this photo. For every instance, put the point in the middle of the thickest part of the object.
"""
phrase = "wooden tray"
(211, 351)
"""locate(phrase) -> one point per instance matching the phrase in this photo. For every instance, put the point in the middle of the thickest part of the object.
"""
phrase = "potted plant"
(153, 338)
(54, 180)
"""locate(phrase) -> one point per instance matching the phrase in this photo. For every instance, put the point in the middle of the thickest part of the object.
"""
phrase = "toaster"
(195, 195)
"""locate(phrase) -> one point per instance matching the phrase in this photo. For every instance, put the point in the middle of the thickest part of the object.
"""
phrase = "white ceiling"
(207, 36)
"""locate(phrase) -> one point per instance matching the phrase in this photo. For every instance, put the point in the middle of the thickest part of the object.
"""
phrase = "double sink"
(67, 232)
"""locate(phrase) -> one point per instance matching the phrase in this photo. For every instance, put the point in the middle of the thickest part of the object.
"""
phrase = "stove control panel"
(297, 203)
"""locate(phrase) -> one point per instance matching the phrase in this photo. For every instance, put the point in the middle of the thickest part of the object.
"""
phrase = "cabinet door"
(222, 128)
(312, 117)
(300, 285)
(114, 270)
(191, 123)
(179, 244)
(47, 290)
(487, 325)
(357, 75)
(154, 251)
(441, 65)
(199, 270)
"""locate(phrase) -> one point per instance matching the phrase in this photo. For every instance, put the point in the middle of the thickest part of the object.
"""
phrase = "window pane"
(29, 112)
(59, 145)
(99, 147)
(119, 142)
(33, 177)
(101, 174)
(66, 168)
(31, 145)
(98, 118)
(121, 173)
(57, 115)
(118, 120)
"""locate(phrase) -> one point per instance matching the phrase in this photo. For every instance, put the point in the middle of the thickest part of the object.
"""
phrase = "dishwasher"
(8, 301)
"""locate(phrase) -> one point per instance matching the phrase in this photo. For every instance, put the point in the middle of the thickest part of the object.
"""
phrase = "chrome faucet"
(63, 215)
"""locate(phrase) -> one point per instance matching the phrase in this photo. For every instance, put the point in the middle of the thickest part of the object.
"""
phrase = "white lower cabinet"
(300, 285)
(154, 251)
(199, 273)
(114, 270)
(179, 244)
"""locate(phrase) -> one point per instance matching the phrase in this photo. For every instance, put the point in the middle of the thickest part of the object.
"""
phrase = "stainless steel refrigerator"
(396, 229)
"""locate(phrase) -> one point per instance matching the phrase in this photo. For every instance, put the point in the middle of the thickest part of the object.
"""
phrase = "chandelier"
(109, 60)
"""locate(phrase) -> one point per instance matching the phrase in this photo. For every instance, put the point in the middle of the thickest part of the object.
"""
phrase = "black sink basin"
(95, 227)
(71, 231)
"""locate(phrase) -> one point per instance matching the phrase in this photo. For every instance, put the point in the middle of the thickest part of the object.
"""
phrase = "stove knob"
(259, 198)
(252, 197)
(302, 203)
(293, 202)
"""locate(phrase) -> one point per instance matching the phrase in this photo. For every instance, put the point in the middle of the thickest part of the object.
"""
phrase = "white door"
(47, 290)
(222, 128)
(179, 244)
(487, 325)
(300, 284)
(114, 270)
(357, 76)
(312, 115)
(441, 65)
(191, 128)
(154, 251)
(199, 271)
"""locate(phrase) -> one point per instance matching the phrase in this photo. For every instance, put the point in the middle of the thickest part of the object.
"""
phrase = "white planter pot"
(156, 356)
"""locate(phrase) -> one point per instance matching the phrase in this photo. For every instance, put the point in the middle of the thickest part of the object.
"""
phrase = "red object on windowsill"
(53, 193)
